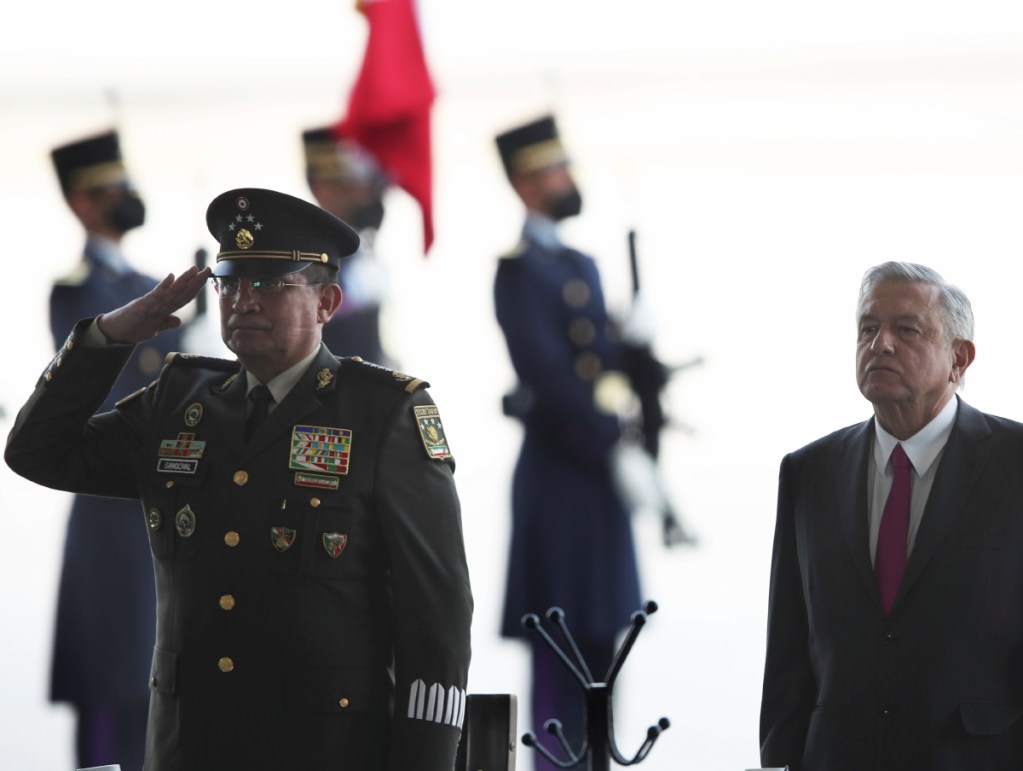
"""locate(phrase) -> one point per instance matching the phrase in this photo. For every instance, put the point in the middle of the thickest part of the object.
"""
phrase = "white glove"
(636, 478)
(639, 326)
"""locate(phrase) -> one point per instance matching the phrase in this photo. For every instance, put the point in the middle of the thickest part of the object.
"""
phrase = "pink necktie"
(890, 558)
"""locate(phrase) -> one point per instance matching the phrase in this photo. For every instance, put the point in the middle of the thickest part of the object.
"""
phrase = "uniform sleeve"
(420, 519)
(58, 442)
(789, 690)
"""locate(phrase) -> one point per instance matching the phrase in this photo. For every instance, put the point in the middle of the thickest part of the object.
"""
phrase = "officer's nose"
(246, 297)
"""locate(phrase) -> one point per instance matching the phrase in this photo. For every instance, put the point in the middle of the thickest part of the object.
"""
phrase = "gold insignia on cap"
(244, 239)
(324, 378)
(432, 431)
(193, 414)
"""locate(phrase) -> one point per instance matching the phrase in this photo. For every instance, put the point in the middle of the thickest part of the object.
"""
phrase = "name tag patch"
(320, 448)
(180, 455)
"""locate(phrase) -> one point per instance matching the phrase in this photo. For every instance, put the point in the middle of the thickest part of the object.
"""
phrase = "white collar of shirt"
(542, 229)
(923, 447)
(281, 385)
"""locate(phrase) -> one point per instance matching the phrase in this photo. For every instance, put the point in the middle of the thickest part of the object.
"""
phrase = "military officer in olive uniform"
(314, 604)
(106, 607)
(572, 543)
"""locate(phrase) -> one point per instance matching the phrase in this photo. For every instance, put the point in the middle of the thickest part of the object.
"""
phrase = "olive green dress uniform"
(313, 596)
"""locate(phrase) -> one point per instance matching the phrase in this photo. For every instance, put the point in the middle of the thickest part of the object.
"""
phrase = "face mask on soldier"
(128, 213)
(369, 215)
(564, 205)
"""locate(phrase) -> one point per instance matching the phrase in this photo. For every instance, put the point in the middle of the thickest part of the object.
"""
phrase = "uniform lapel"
(852, 500)
(309, 392)
(962, 462)
(229, 412)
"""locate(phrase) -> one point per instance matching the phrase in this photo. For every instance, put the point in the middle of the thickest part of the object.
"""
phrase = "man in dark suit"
(895, 627)
(313, 595)
(572, 542)
(106, 607)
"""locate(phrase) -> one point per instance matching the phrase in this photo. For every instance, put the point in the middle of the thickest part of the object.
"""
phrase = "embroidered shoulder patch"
(432, 431)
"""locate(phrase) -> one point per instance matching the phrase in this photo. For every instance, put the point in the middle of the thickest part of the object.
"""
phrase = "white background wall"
(767, 154)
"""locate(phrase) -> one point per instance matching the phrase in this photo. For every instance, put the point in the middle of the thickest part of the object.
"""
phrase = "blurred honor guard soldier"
(572, 543)
(313, 596)
(106, 609)
(347, 181)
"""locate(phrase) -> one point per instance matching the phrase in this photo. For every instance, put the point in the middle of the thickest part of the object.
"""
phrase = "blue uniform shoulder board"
(203, 362)
(386, 374)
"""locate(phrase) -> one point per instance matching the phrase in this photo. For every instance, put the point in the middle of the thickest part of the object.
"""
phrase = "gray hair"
(957, 316)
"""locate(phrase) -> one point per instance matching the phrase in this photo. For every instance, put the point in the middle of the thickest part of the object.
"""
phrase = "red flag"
(389, 105)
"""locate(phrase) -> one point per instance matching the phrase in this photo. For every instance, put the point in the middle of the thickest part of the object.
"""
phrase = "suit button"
(227, 601)
(152, 682)
(314, 502)
(241, 478)
(343, 702)
(231, 538)
(886, 711)
(225, 664)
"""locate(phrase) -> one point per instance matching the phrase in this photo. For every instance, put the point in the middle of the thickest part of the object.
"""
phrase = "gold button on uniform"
(225, 664)
(314, 502)
(227, 601)
(231, 538)
(343, 703)
(241, 477)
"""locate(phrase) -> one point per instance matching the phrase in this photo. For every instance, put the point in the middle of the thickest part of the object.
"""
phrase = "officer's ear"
(330, 300)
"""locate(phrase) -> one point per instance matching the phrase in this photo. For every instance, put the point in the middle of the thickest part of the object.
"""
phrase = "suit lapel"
(309, 392)
(852, 500)
(961, 465)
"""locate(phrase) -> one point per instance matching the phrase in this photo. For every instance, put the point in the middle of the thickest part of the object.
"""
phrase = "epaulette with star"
(386, 374)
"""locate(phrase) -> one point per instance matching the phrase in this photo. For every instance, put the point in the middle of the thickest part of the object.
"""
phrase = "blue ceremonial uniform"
(106, 606)
(572, 543)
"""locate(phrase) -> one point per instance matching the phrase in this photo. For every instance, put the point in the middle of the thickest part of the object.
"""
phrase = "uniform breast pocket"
(313, 536)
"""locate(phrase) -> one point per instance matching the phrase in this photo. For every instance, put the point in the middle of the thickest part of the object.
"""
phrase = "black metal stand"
(599, 747)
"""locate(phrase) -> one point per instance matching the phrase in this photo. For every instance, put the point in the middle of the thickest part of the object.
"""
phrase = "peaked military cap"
(332, 157)
(90, 163)
(266, 233)
(531, 147)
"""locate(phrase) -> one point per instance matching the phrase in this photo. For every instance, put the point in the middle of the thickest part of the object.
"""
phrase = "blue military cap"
(531, 147)
(90, 163)
(266, 233)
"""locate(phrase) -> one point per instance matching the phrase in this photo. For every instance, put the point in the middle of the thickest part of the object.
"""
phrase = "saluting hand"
(147, 316)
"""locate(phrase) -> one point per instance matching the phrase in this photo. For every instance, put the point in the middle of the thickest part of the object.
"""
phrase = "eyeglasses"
(230, 286)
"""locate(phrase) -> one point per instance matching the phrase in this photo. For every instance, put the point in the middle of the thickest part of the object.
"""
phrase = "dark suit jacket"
(939, 683)
(307, 618)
